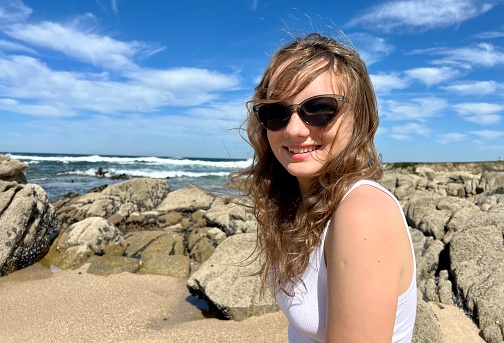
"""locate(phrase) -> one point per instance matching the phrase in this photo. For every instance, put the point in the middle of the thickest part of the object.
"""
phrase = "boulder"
(106, 265)
(427, 251)
(170, 265)
(185, 200)
(146, 245)
(200, 243)
(231, 217)
(115, 202)
(477, 263)
(82, 240)
(28, 225)
(227, 280)
(12, 170)
(431, 215)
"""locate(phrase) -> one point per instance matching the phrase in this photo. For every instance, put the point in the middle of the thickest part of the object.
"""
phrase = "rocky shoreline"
(455, 212)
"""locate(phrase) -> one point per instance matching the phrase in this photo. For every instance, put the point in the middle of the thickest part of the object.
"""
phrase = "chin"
(304, 173)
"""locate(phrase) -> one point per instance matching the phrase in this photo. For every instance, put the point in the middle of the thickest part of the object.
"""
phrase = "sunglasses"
(317, 111)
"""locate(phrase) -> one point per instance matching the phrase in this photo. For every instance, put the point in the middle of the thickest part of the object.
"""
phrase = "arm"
(366, 252)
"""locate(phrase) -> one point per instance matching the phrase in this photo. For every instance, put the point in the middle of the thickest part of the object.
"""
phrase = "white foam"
(134, 160)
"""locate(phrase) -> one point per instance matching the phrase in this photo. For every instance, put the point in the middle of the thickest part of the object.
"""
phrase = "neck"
(304, 187)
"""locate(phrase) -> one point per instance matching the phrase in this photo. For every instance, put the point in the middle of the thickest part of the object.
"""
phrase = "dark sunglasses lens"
(273, 116)
(319, 111)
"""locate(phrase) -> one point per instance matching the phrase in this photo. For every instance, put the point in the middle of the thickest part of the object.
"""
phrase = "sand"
(455, 325)
(38, 305)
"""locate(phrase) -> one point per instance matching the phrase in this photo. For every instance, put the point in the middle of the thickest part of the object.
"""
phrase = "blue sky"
(171, 78)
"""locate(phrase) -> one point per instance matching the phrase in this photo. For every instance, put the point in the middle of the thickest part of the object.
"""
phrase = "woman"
(335, 246)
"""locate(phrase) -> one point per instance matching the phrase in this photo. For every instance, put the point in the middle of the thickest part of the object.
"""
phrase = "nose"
(296, 126)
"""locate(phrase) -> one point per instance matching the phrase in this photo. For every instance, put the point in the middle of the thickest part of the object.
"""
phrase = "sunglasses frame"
(291, 108)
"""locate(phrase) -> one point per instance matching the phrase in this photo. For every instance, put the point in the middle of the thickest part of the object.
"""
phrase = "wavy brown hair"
(290, 227)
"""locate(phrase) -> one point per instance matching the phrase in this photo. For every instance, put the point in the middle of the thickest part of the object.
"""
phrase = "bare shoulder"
(368, 227)
(367, 207)
(366, 251)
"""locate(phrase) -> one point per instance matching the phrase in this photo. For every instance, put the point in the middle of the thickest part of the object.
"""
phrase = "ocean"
(60, 174)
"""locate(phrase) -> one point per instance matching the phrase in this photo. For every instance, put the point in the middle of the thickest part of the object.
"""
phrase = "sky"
(171, 78)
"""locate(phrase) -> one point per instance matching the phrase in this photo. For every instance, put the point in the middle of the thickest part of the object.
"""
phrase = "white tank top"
(306, 311)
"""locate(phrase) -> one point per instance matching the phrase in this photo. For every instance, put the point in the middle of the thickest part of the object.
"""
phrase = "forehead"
(289, 80)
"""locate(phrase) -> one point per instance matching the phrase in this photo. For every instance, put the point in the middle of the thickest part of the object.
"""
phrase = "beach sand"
(38, 305)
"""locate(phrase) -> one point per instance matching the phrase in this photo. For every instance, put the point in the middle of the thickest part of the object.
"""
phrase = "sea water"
(60, 174)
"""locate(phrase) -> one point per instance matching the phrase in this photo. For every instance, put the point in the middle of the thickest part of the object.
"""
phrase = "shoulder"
(368, 204)
(368, 218)
(364, 252)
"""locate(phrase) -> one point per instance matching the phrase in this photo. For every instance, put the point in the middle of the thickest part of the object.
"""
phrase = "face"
(303, 149)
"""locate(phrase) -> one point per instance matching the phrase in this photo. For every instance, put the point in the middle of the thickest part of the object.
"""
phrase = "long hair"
(290, 227)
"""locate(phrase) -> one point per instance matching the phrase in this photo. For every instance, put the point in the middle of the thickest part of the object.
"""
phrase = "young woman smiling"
(335, 246)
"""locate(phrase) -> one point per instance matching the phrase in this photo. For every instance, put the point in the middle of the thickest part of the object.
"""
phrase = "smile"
(302, 149)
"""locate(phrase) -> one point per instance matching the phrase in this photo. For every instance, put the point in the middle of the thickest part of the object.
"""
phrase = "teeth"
(302, 150)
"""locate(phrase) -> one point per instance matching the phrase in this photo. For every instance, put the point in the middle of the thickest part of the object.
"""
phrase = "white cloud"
(421, 14)
(474, 88)
(13, 11)
(98, 50)
(372, 49)
(416, 109)
(490, 34)
(482, 54)
(480, 113)
(432, 76)
(451, 138)
(408, 130)
(488, 135)
(13, 46)
(36, 110)
(113, 81)
(114, 7)
(69, 93)
(383, 83)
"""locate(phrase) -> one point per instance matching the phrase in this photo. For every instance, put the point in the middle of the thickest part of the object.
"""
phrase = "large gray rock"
(115, 202)
(185, 200)
(227, 280)
(27, 225)
(477, 262)
(231, 217)
(89, 237)
(12, 170)
(431, 215)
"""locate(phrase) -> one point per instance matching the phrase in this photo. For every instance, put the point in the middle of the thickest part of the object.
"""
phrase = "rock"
(230, 217)
(200, 245)
(227, 280)
(185, 200)
(115, 202)
(107, 265)
(477, 262)
(138, 241)
(12, 170)
(427, 252)
(170, 265)
(89, 237)
(427, 328)
(445, 288)
(492, 334)
(169, 243)
(28, 225)
(432, 214)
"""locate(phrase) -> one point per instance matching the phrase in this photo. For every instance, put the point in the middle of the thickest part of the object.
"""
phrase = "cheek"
(273, 138)
(338, 137)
